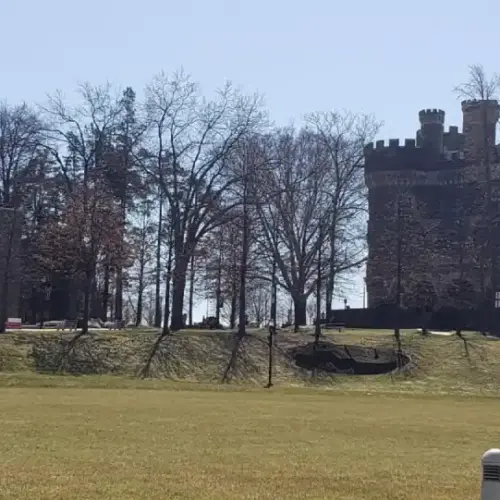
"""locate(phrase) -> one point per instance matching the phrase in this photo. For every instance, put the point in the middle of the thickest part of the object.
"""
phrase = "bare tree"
(259, 309)
(142, 236)
(292, 204)
(168, 276)
(193, 138)
(10, 225)
(76, 242)
(78, 136)
(20, 145)
(247, 162)
(222, 257)
(343, 136)
(80, 141)
(121, 171)
(479, 85)
(20, 135)
(159, 243)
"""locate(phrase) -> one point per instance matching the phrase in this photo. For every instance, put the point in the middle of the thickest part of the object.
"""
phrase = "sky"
(386, 57)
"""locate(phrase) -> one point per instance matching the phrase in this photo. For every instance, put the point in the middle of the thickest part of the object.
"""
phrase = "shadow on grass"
(153, 353)
(70, 348)
(231, 364)
(245, 361)
(470, 348)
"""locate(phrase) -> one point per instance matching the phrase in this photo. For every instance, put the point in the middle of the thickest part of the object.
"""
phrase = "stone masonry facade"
(426, 200)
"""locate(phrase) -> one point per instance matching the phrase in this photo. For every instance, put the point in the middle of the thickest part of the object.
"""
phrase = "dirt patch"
(348, 359)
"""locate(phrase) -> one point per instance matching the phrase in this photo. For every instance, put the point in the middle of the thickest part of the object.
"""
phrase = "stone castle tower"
(426, 228)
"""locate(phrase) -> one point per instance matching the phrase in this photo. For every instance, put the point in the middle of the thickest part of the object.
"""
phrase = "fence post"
(490, 475)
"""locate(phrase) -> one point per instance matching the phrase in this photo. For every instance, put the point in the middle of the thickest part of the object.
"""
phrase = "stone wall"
(427, 204)
(438, 229)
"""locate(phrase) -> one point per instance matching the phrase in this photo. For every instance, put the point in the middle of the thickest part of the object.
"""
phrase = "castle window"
(497, 300)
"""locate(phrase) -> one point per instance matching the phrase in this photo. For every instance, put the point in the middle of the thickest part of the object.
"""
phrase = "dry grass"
(440, 364)
(406, 437)
(80, 443)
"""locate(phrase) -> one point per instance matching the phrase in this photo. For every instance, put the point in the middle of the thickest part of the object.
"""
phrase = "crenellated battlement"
(392, 156)
(391, 144)
(473, 111)
(438, 181)
(431, 116)
(476, 103)
(395, 155)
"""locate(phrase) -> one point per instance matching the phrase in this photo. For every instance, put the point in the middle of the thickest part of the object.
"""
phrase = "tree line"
(137, 207)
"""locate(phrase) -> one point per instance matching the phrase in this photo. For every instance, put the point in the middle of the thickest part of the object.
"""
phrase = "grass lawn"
(172, 443)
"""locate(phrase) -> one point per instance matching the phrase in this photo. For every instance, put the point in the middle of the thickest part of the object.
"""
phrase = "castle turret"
(425, 207)
(479, 126)
(430, 135)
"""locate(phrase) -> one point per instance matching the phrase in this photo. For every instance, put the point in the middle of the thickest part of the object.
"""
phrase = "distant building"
(427, 207)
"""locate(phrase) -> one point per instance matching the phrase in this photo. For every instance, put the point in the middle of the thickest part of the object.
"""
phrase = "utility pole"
(218, 292)
(399, 272)
(168, 278)
(317, 330)
(157, 321)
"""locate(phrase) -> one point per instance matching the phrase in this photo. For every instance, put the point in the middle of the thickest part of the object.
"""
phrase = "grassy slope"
(440, 364)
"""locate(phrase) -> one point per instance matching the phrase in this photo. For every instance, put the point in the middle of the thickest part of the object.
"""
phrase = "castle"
(427, 229)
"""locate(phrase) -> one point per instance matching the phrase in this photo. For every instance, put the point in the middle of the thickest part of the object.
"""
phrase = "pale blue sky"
(386, 57)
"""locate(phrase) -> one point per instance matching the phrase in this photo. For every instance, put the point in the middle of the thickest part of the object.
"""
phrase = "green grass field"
(81, 443)
(405, 437)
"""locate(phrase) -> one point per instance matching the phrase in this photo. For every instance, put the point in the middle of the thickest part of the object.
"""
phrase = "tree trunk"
(265, 315)
(119, 294)
(234, 303)
(157, 322)
(95, 303)
(330, 288)
(243, 269)
(33, 306)
(191, 291)
(166, 309)
(168, 279)
(3, 304)
(138, 315)
(317, 329)
(218, 292)
(140, 297)
(330, 282)
(105, 294)
(179, 287)
(5, 281)
(300, 310)
(87, 289)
